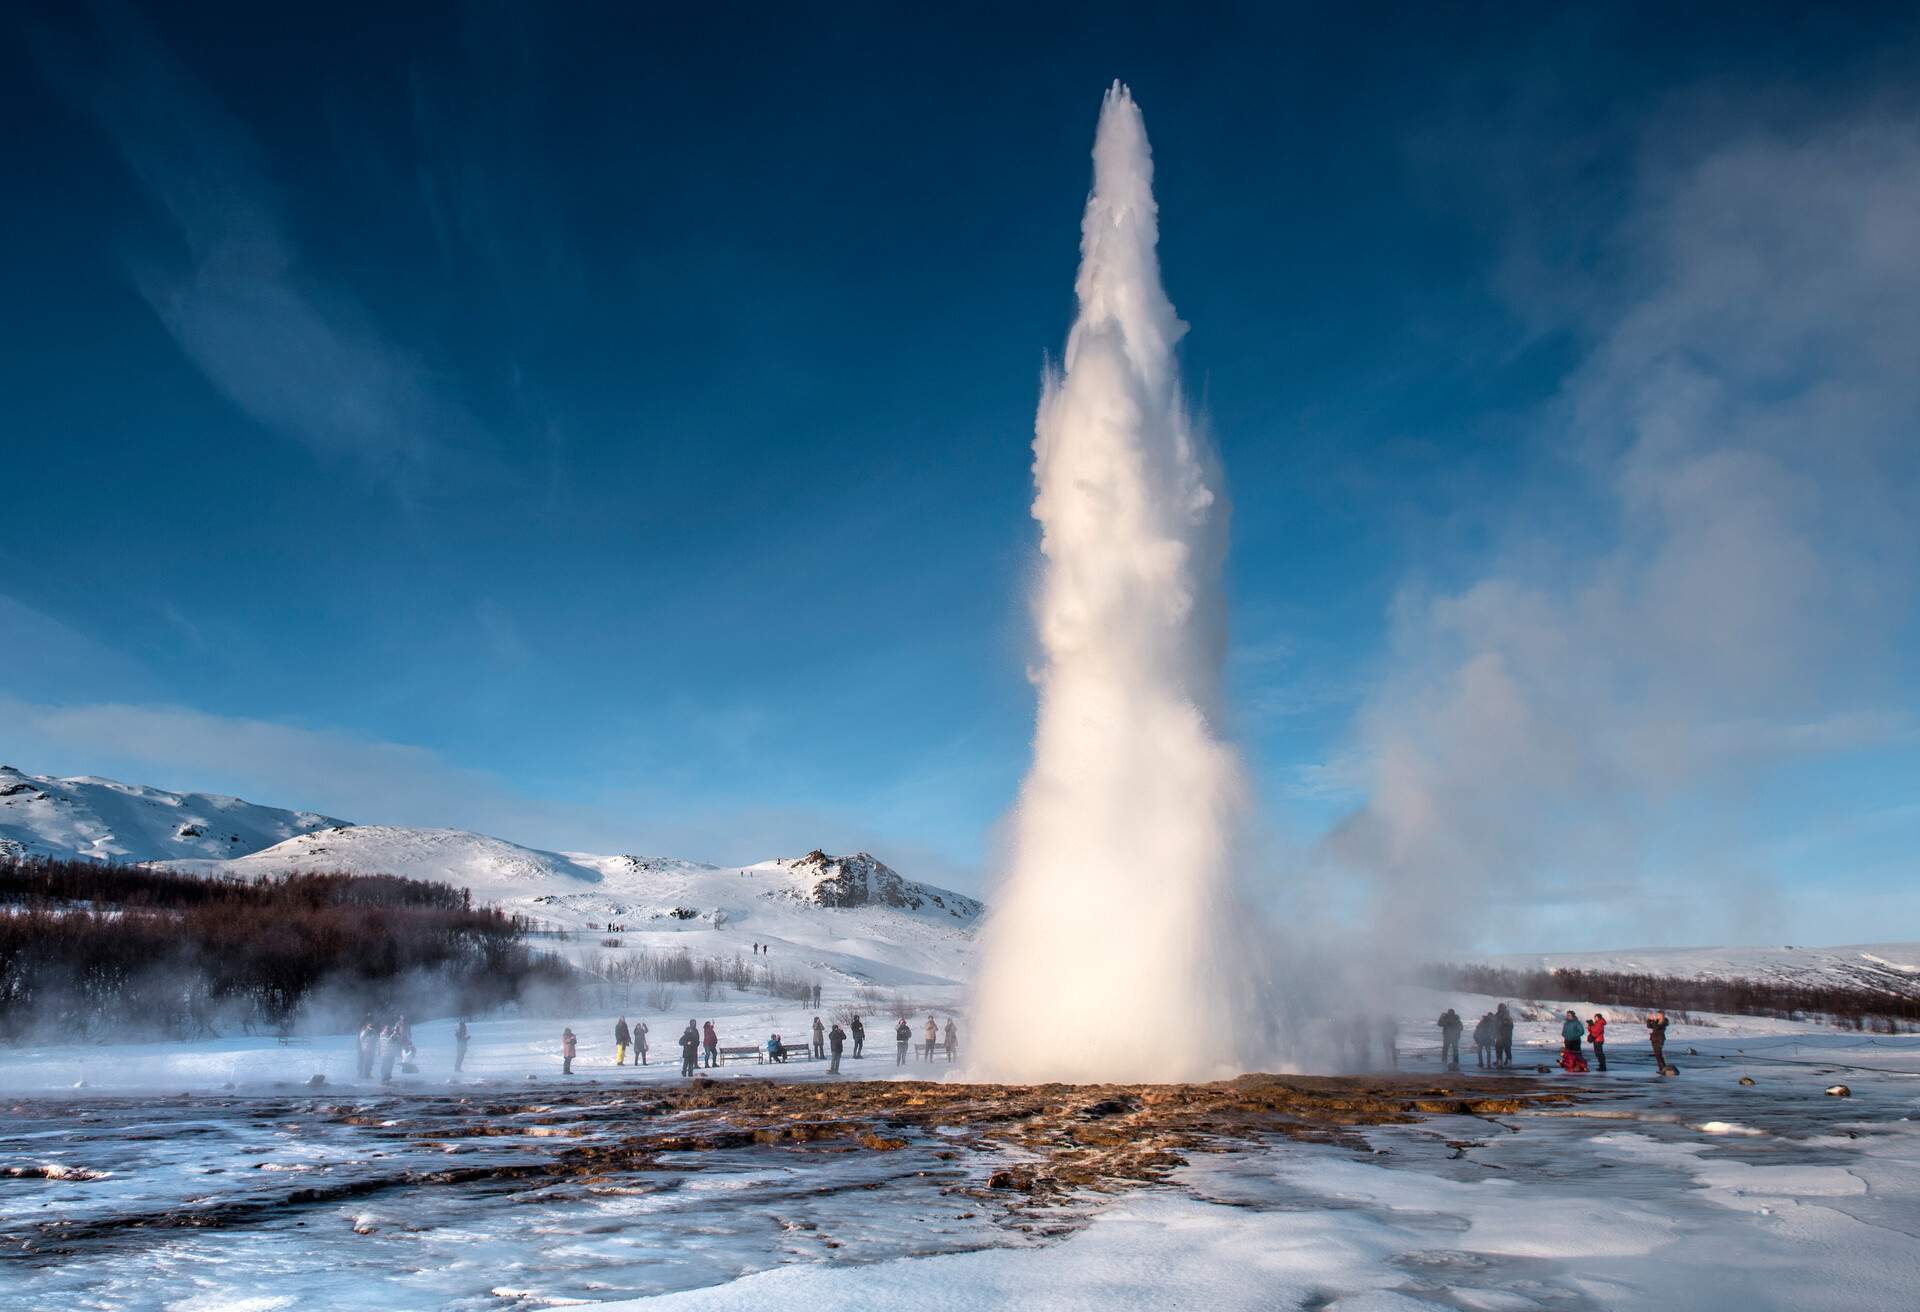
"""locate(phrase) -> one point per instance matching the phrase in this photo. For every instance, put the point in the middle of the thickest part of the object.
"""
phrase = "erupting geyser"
(1112, 952)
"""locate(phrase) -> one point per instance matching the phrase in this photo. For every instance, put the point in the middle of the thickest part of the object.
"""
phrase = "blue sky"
(610, 429)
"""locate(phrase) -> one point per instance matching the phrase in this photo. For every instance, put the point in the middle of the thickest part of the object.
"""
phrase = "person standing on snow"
(902, 1037)
(819, 1038)
(953, 1040)
(1597, 1036)
(859, 1029)
(1571, 1032)
(1502, 1037)
(389, 1049)
(710, 1041)
(640, 1044)
(1483, 1041)
(622, 1036)
(569, 1049)
(689, 1049)
(836, 1040)
(1657, 1036)
(933, 1038)
(460, 1037)
(1450, 1027)
(369, 1041)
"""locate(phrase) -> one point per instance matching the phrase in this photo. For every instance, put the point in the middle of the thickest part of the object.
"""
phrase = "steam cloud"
(1110, 952)
(1726, 593)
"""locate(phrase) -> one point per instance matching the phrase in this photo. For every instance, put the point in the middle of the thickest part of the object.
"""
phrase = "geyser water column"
(1113, 948)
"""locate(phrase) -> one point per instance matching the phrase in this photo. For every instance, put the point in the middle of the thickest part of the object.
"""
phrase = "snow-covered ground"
(1694, 1192)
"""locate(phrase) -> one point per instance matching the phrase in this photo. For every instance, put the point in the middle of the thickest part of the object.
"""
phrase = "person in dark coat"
(859, 1029)
(902, 1040)
(640, 1044)
(1657, 1036)
(1483, 1041)
(952, 1040)
(1502, 1037)
(1450, 1027)
(1597, 1036)
(710, 1043)
(622, 1036)
(836, 1040)
(569, 1049)
(689, 1049)
(819, 1038)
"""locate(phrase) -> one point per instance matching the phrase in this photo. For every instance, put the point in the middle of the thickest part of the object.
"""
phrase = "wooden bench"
(795, 1052)
(744, 1050)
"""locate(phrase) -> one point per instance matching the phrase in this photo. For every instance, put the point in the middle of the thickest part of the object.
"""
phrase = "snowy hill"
(853, 915)
(1887, 967)
(496, 870)
(102, 819)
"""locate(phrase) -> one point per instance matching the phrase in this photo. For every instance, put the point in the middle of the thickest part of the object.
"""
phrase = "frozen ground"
(169, 1190)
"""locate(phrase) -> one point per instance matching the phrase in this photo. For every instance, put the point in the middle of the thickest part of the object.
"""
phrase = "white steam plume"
(1111, 952)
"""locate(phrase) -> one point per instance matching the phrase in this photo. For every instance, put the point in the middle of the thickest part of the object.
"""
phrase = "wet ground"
(527, 1195)
(604, 1191)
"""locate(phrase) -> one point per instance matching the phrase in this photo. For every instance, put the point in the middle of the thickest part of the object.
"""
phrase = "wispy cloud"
(305, 360)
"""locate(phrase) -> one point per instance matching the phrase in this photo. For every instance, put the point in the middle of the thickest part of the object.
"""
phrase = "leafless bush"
(660, 998)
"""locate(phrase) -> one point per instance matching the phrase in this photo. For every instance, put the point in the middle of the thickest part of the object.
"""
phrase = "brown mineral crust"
(1070, 1139)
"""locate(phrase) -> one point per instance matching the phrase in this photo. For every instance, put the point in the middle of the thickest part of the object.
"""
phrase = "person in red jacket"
(1597, 1036)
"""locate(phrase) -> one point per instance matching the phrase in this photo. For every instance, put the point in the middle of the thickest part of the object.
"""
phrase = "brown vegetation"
(131, 953)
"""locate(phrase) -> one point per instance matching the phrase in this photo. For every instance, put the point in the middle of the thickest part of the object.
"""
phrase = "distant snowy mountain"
(852, 915)
(105, 820)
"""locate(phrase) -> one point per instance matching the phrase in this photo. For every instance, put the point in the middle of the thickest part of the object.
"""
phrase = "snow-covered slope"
(496, 870)
(851, 914)
(99, 818)
(1889, 967)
